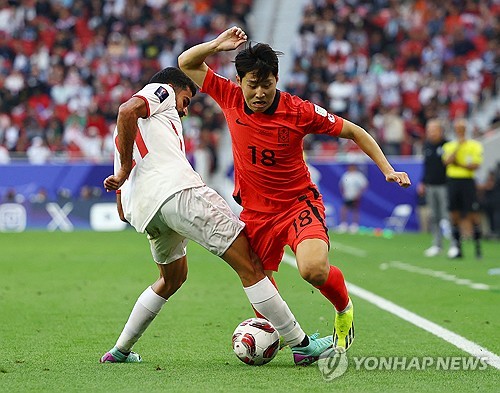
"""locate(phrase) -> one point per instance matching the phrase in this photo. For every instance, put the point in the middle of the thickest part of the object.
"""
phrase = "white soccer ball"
(256, 341)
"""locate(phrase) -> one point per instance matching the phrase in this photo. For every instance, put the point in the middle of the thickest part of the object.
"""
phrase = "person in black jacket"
(433, 186)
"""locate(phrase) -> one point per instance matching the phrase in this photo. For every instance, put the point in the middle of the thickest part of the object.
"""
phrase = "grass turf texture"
(64, 298)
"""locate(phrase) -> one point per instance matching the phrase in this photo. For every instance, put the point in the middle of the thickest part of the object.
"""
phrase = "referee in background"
(462, 158)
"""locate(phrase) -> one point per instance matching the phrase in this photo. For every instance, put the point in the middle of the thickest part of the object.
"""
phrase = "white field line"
(348, 249)
(431, 327)
(435, 273)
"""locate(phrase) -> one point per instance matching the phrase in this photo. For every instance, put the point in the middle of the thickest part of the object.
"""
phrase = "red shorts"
(269, 233)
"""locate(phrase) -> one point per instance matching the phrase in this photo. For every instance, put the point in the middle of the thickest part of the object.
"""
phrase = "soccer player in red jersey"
(281, 205)
(160, 194)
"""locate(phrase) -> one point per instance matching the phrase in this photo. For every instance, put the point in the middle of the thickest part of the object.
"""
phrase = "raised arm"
(192, 61)
(126, 123)
(372, 149)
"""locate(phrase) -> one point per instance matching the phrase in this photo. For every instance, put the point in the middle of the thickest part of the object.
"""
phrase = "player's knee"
(315, 273)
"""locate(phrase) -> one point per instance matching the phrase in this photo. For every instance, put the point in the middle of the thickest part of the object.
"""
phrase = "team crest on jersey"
(320, 111)
(283, 136)
(331, 118)
(161, 93)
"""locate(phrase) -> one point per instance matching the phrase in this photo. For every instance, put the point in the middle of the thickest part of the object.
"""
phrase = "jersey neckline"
(269, 111)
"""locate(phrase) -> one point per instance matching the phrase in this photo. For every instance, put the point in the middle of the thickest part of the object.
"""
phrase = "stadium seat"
(399, 217)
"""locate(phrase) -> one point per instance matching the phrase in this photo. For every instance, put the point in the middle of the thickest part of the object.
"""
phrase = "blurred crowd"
(391, 65)
(66, 65)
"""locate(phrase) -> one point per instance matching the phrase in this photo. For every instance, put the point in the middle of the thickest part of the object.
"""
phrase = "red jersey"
(269, 168)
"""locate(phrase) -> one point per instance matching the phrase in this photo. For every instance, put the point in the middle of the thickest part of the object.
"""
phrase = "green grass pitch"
(64, 298)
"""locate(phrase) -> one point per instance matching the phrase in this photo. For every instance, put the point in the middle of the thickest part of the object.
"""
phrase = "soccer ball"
(256, 341)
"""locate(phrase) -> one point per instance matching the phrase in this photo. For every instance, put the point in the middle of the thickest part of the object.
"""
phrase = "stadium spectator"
(12, 196)
(91, 144)
(4, 155)
(164, 197)
(39, 197)
(392, 131)
(86, 58)
(38, 153)
(340, 92)
(88, 193)
(205, 156)
(100, 51)
(443, 56)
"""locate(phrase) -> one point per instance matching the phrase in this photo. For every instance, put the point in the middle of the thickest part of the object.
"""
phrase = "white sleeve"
(158, 97)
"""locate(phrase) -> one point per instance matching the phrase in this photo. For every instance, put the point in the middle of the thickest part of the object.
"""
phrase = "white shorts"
(198, 214)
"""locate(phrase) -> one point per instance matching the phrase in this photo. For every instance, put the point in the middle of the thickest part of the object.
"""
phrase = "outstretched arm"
(372, 149)
(126, 123)
(192, 61)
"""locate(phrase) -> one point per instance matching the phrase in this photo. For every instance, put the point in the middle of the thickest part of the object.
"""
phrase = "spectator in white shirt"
(38, 153)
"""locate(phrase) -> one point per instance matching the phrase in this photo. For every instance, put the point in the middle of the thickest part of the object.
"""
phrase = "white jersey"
(352, 184)
(160, 167)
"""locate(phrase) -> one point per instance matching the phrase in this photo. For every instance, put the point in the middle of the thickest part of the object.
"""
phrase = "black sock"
(477, 238)
(305, 342)
(456, 235)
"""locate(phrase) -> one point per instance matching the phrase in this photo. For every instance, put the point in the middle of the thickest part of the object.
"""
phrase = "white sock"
(267, 301)
(146, 308)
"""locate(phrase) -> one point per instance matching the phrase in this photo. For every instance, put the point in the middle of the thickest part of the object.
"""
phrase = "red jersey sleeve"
(221, 89)
(318, 120)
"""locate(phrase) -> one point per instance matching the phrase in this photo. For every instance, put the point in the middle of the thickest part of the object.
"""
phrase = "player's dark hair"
(260, 59)
(175, 77)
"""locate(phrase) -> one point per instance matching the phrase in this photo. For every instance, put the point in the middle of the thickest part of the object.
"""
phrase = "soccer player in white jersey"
(158, 192)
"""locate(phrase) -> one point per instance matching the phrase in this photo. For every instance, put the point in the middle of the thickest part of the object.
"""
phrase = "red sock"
(334, 289)
(257, 314)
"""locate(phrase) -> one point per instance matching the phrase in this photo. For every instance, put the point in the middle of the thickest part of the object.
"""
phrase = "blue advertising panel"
(378, 200)
(71, 196)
